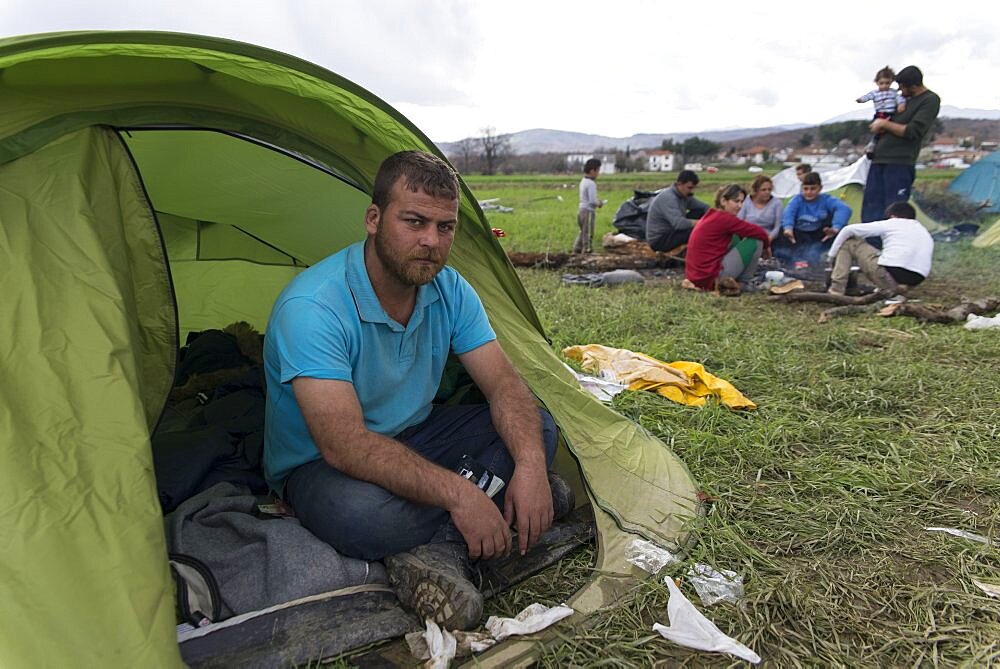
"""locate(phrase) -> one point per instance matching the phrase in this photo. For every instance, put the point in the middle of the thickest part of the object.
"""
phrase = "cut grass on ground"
(868, 431)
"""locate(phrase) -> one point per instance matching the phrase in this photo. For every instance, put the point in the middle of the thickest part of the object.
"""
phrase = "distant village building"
(575, 161)
(661, 160)
(821, 158)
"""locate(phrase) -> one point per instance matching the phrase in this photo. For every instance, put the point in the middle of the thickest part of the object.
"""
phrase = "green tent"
(153, 184)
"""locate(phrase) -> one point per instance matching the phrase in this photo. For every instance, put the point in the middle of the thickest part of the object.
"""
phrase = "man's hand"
(828, 233)
(529, 504)
(766, 253)
(789, 234)
(481, 525)
(878, 126)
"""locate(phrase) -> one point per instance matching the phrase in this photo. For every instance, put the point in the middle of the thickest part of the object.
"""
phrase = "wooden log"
(592, 262)
(832, 298)
(847, 309)
(956, 314)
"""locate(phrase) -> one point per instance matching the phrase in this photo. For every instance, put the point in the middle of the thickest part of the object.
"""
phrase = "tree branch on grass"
(956, 314)
(846, 310)
(833, 298)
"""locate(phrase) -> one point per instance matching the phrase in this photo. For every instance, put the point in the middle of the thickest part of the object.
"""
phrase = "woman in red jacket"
(722, 245)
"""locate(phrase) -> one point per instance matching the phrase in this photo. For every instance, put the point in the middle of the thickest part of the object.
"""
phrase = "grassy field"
(868, 431)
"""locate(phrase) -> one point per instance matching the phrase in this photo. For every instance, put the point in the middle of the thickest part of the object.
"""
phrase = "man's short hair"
(803, 168)
(688, 177)
(910, 76)
(421, 171)
(592, 164)
(900, 209)
(812, 179)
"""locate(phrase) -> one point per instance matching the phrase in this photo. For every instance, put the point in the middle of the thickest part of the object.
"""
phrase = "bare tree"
(495, 149)
(467, 153)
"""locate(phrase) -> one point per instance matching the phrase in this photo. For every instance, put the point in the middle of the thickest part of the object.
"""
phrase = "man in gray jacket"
(673, 213)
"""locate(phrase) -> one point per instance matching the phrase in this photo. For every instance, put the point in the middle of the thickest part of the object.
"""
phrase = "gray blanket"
(259, 562)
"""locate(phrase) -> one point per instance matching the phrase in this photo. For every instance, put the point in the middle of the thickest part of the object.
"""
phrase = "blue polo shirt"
(328, 324)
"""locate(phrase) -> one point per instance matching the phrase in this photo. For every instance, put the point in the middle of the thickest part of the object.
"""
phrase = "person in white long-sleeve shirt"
(905, 259)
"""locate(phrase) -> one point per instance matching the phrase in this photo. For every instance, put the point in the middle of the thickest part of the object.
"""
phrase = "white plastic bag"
(974, 322)
(434, 644)
(533, 618)
(688, 627)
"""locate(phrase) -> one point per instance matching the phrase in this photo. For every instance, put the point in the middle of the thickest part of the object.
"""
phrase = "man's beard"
(402, 267)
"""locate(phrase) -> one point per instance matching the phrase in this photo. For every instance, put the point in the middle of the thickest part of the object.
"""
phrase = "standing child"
(588, 206)
(887, 100)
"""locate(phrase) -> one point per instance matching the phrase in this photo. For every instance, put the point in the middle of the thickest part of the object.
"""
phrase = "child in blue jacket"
(812, 219)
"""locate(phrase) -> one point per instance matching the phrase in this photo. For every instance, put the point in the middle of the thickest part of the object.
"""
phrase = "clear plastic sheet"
(648, 556)
(715, 586)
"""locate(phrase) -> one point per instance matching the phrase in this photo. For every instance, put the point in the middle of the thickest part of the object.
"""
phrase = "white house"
(575, 161)
(661, 160)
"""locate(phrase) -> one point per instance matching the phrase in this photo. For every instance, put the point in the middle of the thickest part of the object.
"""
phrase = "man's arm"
(696, 208)
(667, 208)
(528, 501)
(917, 125)
(872, 229)
(336, 423)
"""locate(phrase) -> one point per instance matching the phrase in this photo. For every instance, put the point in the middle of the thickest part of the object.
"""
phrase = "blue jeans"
(885, 184)
(366, 521)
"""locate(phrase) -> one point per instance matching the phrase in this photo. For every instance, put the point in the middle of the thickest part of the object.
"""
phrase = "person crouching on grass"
(905, 259)
(715, 255)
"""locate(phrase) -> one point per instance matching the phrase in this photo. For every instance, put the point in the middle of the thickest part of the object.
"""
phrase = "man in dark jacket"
(892, 170)
(673, 213)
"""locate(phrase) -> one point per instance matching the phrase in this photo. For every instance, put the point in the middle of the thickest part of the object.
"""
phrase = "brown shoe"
(434, 580)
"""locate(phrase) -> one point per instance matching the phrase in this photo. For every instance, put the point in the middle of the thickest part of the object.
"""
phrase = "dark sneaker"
(563, 499)
(434, 580)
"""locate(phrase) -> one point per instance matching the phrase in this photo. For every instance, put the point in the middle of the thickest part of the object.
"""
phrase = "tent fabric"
(88, 330)
(118, 149)
(786, 183)
(980, 183)
(989, 236)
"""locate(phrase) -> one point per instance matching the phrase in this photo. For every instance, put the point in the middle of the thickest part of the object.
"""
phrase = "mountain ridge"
(545, 140)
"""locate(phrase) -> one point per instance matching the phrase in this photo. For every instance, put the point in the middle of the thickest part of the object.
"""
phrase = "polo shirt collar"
(369, 308)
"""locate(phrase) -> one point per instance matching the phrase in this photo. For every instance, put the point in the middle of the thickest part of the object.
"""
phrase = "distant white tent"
(786, 183)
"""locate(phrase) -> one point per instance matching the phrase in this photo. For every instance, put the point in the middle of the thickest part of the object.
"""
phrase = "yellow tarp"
(681, 381)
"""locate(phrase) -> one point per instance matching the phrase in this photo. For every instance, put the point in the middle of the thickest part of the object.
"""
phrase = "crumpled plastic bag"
(648, 556)
(680, 381)
(991, 589)
(434, 644)
(533, 618)
(466, 643)
(974, 322)
(971, 536)
(688, 627)
(600, 388)
(715, 586)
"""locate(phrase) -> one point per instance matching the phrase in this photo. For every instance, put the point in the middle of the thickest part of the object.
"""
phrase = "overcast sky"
(615, 67)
